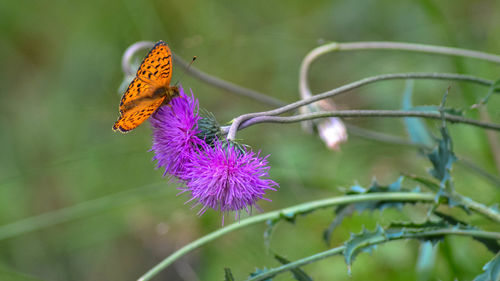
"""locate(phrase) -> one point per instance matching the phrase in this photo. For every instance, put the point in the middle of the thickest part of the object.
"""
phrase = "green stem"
(355, 46)
(368, 113)
(314, 205)
(338, 250)
(477, 207)
(301, 208)
(348, 87)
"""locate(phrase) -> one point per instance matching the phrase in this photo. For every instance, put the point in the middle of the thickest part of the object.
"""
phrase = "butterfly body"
(149, 90)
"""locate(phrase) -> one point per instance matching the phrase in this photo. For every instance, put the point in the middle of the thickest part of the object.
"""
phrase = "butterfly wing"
(140, 99)
(157, 66)
(137, 89)
(134, 116)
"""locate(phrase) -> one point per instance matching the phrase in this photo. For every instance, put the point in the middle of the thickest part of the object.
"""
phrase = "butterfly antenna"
(186, 70)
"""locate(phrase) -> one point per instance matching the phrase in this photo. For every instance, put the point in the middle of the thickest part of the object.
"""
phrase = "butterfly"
(149, 90)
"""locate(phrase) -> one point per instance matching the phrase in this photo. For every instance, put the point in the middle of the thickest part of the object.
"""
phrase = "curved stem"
(354, 46)
(301, 208)
(307, 207)
(337, 91)
(339, 250)
(368, 113)
(421, 48)
(130, 52)
(305, 91)
(298, 263)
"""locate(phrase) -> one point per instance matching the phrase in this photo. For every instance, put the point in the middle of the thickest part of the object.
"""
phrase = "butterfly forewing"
(157, 66)
(140, 100)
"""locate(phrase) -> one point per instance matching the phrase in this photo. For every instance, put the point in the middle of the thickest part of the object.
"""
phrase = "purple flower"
(226, 178)
(174, 133)
(217, 176)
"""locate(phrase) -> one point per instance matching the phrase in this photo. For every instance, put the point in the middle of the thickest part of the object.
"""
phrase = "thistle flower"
(226, 178)
(175, 129)
(219, 175)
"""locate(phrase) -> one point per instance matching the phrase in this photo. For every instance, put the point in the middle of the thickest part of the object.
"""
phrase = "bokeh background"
(80, 202)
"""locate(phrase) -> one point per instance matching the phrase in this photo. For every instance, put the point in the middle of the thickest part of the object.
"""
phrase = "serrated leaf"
(259, 271)
(442, 158)
(297, 272)
(491, 245)
(375, 187)
(228, 275)
(366, 241)
(343, 211)
(416, 128)
(491, 270)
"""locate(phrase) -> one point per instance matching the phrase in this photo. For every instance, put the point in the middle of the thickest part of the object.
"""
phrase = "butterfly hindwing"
(136, 90)
(133, 117)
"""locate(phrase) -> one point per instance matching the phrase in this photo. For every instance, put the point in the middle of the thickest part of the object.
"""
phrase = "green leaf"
(228, 276)
(491, 270)
(375, 187)
(298, 273)
(442, 158)
(364, 242)
(408, 229)
(259, 271)
(343, 211)
(416, 128)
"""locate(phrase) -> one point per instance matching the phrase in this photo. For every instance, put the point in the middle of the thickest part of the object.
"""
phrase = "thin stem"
(380, 137)
(129, 54)
(298, 263)
(484, 210)
(301, 208)
(339, 250)
(225, 85)
(307, 207)
(305, 91)
(421, 48)
(354, 46)
(351, 86)
(368, 113)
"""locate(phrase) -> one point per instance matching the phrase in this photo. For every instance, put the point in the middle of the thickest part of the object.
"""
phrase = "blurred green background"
(107, 214)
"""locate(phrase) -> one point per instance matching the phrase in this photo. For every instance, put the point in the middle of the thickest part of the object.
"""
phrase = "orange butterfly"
(149, 90)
